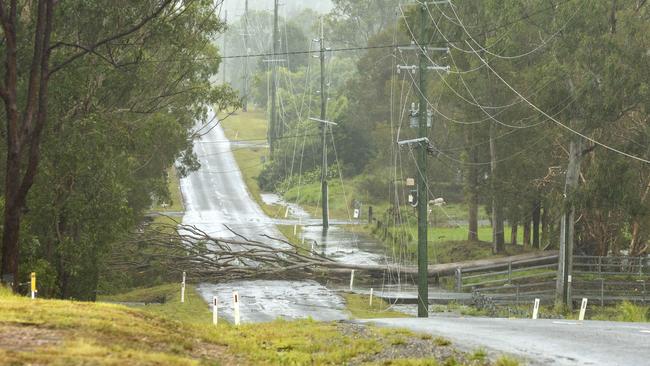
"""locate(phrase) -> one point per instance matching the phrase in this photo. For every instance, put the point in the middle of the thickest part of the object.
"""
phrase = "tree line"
(101, 98)
(542, 119)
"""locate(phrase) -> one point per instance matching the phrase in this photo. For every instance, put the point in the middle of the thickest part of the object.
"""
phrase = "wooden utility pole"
(423, 252)
(423, 143)
(324, 126)
(274, 74)
(567, 226)
(245, 91)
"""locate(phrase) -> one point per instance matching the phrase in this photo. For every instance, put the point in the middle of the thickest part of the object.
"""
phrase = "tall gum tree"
(40, 39)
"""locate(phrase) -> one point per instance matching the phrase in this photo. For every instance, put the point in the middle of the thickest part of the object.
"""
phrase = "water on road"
(216, 196)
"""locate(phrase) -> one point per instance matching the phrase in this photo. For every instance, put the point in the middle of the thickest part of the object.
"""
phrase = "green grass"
(446, 244)
(359, 307)
(479, 355)
(294, 238)
(75, 333)
(507, 361)
(246, 126)
(308, 196)
(623, 312)
(193, 311)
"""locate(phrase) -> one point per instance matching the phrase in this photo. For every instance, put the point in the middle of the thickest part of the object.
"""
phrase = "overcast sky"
(236, 7)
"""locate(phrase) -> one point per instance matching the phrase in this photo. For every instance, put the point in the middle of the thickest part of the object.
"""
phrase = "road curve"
(541, 342)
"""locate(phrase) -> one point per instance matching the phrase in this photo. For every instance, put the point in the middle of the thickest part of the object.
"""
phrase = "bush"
(629, 312)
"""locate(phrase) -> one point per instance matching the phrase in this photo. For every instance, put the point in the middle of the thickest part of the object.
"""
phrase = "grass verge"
(359, 307)
(80, 333)
(75, 333)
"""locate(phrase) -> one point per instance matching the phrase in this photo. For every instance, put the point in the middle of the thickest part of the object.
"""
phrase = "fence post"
(600, 262)
(602, 292)
(459, 279)
(517, 295)
(509, 272)
(370, 214)
(640, 266)
(643, 293)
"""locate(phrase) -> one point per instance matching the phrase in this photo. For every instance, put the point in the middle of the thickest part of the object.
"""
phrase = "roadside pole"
(422, 141)
(323, 114)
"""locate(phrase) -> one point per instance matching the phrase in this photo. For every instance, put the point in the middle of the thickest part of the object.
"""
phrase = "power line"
(551, 118)
(360, 48)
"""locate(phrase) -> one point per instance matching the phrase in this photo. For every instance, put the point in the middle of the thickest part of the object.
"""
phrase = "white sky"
(236, 7)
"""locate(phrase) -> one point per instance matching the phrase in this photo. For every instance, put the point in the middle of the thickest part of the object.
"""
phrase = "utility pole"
(422, 182)
(567, 226)
(274, 74)
(323, 114)
(225, 20)
(423, 227)
(245, 91)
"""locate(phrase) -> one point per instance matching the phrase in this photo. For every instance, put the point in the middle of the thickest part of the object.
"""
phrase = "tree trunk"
(472, 234)
(24, 131)
(635, 242)
(498, 238)
(526, 233)
(10, 250)
(472, 188)
(513, 233)
(537, 208)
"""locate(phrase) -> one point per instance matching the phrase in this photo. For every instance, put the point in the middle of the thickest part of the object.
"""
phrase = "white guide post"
(183, 289)
(370, 297)
(583, 309)
(215, 310)
(536, 309)
(235, 303)
(351, 280)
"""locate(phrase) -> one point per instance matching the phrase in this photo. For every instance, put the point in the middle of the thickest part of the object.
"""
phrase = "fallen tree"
(187, 248)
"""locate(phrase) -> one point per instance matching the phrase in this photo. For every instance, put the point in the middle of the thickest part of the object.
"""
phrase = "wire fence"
(606, 280)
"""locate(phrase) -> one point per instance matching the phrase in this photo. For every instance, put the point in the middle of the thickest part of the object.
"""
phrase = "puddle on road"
(345, 246)
(267, 300)
(295, 211)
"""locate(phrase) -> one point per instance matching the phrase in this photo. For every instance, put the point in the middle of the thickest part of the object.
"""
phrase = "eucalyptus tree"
(100, 98)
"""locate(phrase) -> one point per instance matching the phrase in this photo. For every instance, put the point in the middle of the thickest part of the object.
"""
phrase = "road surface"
(541, 342)
(216, 195)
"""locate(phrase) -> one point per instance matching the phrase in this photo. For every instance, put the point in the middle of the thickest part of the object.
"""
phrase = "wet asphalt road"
(216, 195)
(543, 341)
